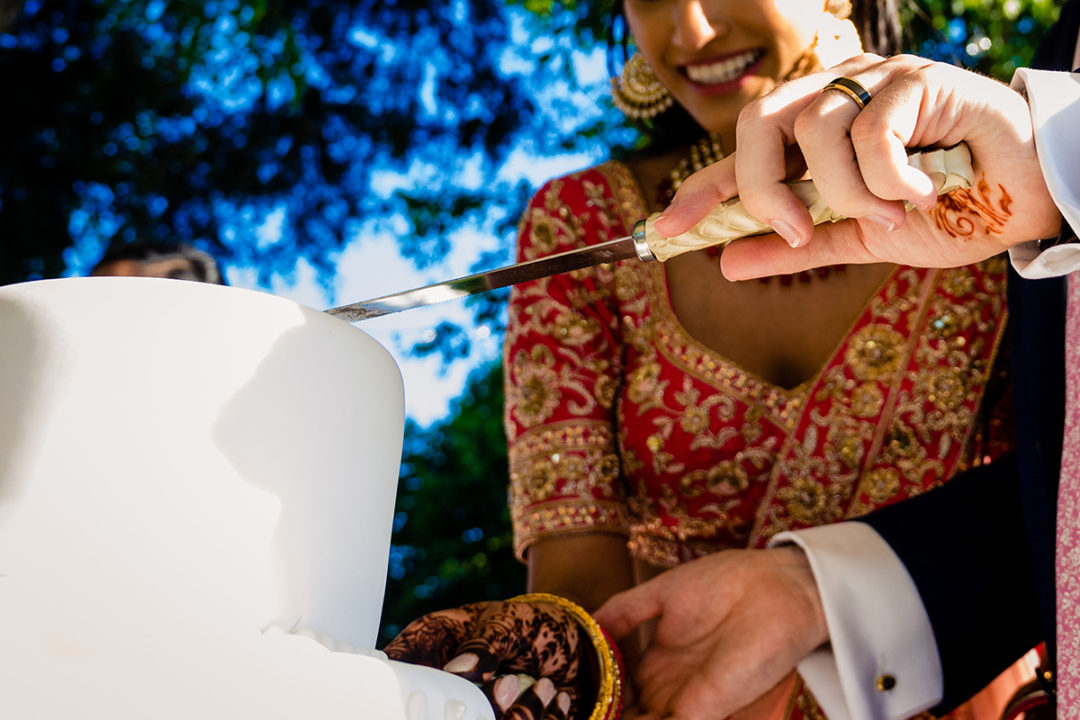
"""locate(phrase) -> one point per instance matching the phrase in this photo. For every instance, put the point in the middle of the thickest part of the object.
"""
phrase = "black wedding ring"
(851, 88)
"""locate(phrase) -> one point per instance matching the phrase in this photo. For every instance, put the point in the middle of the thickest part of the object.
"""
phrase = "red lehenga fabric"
(619, 421)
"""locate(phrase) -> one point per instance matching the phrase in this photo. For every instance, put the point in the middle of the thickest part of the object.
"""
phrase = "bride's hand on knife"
(857, 159)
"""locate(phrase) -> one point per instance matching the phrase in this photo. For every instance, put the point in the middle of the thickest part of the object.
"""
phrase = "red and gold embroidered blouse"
(619, 421)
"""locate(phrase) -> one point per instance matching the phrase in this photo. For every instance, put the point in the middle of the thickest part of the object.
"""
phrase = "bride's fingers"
(531, 703)
(504, 691)
(705, 189)
(559, 709)
(433, 639)
(697, 196)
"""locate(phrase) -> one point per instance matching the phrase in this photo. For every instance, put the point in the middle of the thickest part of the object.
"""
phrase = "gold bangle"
(609, 694)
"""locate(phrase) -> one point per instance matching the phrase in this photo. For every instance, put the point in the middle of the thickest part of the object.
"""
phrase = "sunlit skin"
(748, 48)
(682, 37)
(917, 103)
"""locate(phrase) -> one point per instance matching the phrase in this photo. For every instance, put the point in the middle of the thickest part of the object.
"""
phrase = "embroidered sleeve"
(562, 365)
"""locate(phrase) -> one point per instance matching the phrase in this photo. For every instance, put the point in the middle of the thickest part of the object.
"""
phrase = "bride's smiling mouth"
(723, 74)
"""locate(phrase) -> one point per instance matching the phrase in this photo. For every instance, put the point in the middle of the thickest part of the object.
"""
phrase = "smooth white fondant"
(182, 468)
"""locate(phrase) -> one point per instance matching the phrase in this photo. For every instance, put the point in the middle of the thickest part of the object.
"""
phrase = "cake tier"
(183, 466)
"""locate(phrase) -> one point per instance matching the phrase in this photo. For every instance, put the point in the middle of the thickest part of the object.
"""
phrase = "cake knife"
(949, 169)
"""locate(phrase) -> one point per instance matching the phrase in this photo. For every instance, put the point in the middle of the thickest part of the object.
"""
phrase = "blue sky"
(372, 266)
(566, 92)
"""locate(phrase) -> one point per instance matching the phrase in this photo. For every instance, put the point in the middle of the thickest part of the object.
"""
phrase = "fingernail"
(524, 682)
(563, 699)
(506, 691)
(787, 232)
(462, 663)
(666, 211)
(545, 690)
(882, 221)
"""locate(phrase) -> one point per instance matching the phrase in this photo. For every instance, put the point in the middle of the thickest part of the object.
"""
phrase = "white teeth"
(722, 71)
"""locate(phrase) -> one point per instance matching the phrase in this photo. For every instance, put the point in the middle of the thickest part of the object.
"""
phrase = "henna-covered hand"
(531, 659)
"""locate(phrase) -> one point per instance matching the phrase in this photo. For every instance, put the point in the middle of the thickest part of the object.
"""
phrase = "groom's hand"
(730, 626)
(858, 161)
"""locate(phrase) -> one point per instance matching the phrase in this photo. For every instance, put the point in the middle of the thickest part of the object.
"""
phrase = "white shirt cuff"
(880, 634)
(1054, 100)
(1034, 264)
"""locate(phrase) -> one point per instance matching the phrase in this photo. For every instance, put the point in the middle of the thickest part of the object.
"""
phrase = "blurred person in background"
(8, 10)
(179, 261)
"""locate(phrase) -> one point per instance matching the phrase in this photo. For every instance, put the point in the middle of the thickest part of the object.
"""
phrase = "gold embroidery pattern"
(704, 364)
(875, 352)
(894, 418)
(930, 432)
(687, 504)
(803, 705)
(729, 424)
(657, 436)
(562, 371)
(565, 477)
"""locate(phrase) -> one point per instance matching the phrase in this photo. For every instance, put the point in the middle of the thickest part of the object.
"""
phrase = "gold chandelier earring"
(638, 92)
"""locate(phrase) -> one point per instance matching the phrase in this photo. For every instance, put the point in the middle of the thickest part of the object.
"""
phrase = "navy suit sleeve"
(965, 547)
(981, 547)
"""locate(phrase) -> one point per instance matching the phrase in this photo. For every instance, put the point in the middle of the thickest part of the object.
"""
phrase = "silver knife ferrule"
(641, 246)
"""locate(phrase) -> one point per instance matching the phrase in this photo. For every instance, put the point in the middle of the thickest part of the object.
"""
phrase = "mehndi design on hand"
(502, 647)
(433, 639)
(961, 213)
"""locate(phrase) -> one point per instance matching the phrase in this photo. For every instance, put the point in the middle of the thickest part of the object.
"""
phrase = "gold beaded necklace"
(706, 151)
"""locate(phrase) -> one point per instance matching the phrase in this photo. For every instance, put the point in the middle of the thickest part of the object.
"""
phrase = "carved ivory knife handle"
(949, 169)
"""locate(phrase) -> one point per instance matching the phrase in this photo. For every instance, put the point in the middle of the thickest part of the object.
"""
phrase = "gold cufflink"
(885, 683)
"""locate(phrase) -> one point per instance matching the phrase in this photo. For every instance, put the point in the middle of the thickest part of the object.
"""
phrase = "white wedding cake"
(196, 494)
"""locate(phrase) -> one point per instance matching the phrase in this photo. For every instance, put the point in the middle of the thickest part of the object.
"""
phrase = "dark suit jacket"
(981, 548)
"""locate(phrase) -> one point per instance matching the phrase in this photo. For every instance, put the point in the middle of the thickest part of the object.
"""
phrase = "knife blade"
(949, 168)
(633, 245)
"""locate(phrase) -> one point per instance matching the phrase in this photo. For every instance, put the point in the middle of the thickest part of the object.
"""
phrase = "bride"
(656, 413)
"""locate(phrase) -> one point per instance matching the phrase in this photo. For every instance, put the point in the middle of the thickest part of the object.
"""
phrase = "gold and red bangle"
(609, 695)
